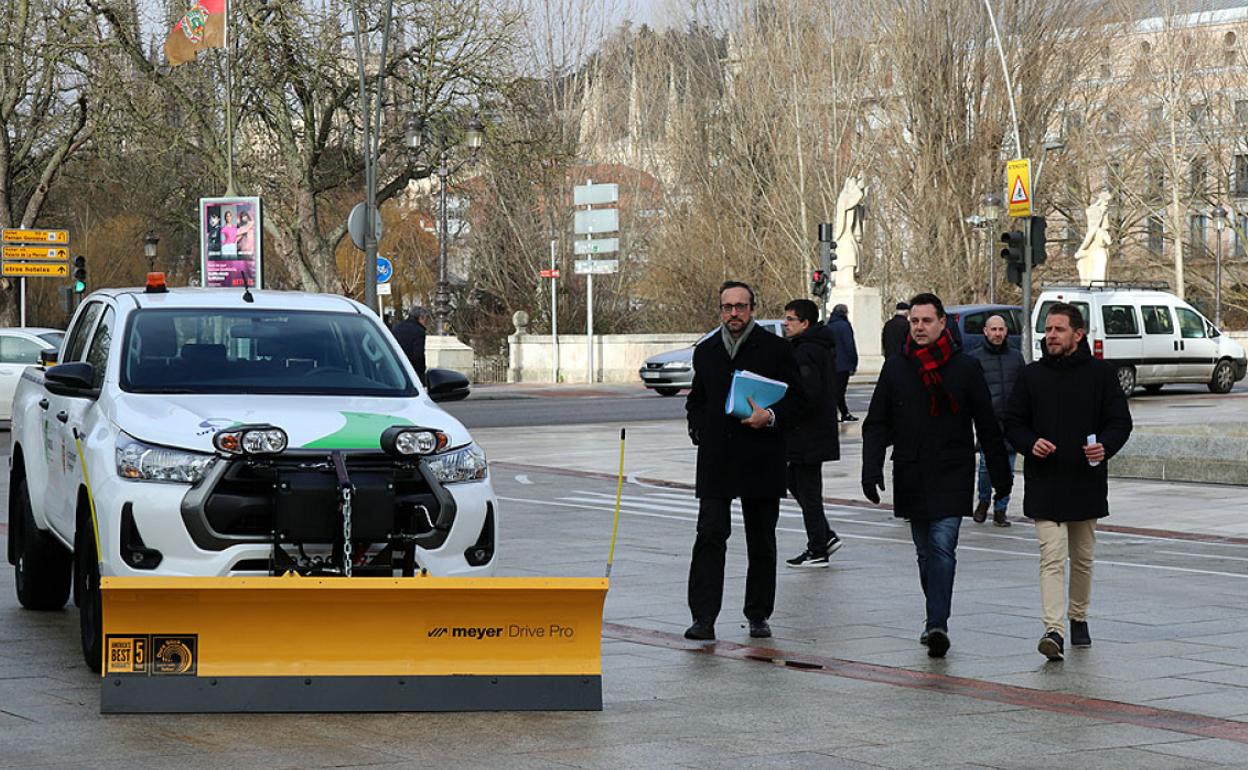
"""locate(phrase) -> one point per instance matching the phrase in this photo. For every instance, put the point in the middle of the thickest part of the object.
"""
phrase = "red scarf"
(930, 359)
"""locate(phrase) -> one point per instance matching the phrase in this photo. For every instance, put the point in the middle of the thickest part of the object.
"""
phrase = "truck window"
(1119, 321)
(1157, 319)
(1191, 325)
(1082, 307)
(97, 355)
(78, 334)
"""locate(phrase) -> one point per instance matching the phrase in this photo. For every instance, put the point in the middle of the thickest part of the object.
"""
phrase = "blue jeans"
(936, 545)
(985, 484)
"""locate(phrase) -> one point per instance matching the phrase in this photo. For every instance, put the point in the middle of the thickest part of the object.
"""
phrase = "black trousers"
(706, 570)
(805, 482)
(842, 384)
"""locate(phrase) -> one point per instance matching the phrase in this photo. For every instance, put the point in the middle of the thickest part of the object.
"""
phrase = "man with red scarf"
(925, 403)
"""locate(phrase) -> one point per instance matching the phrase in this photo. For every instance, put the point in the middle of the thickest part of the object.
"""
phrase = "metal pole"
(441, 300)
(229, 113)
(554, 313)
(1009, 84)
(589, 327)
(989, 231)
(1027, 356)
(21, 292)
(1217, 284)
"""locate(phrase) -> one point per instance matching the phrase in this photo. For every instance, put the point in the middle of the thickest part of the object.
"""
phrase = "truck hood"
(311, 422)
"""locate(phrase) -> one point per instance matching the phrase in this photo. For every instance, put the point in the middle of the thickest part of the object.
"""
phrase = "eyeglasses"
(740, 307)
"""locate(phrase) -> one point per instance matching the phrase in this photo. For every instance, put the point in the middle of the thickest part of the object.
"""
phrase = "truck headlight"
(464, 464)
(146, 462)
(401, 440)
(250, 440)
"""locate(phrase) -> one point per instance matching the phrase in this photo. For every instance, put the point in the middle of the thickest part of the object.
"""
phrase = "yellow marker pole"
(95, 524)
(619, 489)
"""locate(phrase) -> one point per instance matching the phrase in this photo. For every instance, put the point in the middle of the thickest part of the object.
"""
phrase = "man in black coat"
(1068, 414)
(738, 458)
(813, 439)
(846, 357)
(410, 334)
(924, 404)
(1001, 364)
(896, 330)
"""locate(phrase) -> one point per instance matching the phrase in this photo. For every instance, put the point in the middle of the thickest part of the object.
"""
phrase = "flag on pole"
(202, 26)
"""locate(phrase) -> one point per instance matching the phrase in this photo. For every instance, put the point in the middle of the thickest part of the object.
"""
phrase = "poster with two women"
(229, 237)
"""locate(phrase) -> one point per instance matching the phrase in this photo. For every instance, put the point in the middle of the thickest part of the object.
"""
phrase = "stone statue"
(848, 230)
(1091, 259)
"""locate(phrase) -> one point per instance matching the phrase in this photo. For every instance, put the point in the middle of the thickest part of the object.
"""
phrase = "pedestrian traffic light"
(1013, 256)
(80, 274)
(1038, 226)
(819, 284)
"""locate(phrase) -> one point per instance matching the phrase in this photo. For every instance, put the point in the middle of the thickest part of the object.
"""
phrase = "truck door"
(1197, 352)
(1159, 348)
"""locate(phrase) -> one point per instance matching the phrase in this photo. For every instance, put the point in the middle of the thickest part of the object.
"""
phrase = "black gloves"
(869, 489)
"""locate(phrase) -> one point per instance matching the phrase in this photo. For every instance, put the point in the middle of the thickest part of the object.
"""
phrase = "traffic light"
(80, 274)
(819, 284)
(1038, 225)
(1013, 256)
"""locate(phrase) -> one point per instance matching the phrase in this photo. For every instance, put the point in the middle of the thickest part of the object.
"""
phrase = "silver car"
(667, 373)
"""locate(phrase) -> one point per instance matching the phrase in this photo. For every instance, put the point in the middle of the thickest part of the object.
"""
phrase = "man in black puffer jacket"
(813, 438)
(1001, 364)
(1068, 414)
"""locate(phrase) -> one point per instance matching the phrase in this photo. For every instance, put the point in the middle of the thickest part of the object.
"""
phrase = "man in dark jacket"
(410, 334)
(846, 356)
(1068, 414)
(1001, 364)
(896, 330)
(738, 458)
(924, 404)
(813, 439)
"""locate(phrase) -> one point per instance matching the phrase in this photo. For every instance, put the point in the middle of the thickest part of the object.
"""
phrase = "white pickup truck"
(213, 432)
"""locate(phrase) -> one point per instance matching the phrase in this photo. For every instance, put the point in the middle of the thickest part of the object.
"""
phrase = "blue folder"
(746, 385)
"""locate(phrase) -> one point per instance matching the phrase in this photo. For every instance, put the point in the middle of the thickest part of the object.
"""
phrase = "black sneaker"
(1051, 646)
(834, 544)
(937, 643)
(1079, 636)
(808, 560)
(701, 631)
(923, 637)
(849, 418)
(759, 629)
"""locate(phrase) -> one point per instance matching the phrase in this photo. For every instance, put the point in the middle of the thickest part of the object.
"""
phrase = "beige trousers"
(1059, 542)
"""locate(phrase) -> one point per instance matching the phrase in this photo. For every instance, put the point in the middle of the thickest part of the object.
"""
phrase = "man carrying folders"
(738, 458)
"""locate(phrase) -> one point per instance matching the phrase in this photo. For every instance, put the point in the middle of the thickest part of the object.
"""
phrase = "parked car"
(1152, 336)
(966, 323)
(20, 348)
(668, 373)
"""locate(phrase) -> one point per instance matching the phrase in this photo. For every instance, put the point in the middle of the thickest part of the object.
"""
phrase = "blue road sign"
(384, 270)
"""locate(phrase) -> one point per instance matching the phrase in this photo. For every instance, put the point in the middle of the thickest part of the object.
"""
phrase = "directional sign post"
(19, 253)
(36, 268)
(589, 221)
(14, 235)
(20, 245)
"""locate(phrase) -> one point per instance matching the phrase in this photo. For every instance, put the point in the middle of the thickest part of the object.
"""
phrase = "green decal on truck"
(362, 431)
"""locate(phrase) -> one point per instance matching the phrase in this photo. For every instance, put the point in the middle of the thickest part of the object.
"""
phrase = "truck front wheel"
(43, 567)
(87, 592)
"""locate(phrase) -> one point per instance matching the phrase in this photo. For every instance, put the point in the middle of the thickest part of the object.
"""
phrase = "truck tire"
(87, 593)
(43, 566)
(1223, 379)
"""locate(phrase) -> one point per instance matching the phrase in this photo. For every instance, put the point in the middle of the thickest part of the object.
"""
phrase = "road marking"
(523, 479)
(737, 520)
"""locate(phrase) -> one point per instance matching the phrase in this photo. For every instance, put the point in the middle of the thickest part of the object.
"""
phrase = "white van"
(1154, 337)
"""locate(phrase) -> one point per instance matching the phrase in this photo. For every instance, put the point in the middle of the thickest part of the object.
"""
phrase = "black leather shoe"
(937, 643)
(759, 629)
(1079, 636)
(701, 631)
(1051, 646)
(923, 637)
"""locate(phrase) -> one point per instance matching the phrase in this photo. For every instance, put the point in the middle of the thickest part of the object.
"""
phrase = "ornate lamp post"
(1219, 221)
(990, 207)
(149, 250)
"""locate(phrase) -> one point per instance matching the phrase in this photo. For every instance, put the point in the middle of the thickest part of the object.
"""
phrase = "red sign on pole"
(550, 273)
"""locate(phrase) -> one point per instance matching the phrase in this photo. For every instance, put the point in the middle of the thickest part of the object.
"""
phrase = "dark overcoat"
(735, 460)
(813, 437)
(410, 335)
(893, 335)
(934, 461)
(1064, 399)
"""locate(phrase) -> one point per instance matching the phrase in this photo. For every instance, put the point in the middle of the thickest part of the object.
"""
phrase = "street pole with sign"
(587, 222)
(42, 253)
(1018, 189)
(554, 312)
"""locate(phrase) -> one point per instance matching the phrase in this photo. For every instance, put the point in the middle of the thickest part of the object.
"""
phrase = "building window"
(1241, 174)
(1071, 244)
(1241, 111)
(1230, 54)
(1199, 225)
(1240, 235)
(1156, 181)
(1196, 173)
(1157, 117)
(1196, 113)
(1156, 235)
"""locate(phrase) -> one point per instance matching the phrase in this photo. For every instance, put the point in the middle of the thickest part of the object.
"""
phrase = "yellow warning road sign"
(35, 252)
(1018, 187)
(12, 235)
(34, 268)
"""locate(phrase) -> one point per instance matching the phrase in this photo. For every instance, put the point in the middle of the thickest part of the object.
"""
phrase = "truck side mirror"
(76, 379)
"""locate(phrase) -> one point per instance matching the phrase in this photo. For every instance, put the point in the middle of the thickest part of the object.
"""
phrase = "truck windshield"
(259, 351)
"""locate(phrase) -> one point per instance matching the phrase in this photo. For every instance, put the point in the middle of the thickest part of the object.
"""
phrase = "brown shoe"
(981, 512)
(998, 518)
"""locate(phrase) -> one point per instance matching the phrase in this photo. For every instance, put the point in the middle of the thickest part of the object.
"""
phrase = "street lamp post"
(149, 250)
(990, 208)
(474, 138)
(1219, 221)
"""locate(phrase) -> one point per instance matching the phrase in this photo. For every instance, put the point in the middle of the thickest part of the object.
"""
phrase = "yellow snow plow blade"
(188, 644)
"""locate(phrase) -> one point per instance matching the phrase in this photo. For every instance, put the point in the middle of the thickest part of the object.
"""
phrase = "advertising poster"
(229, 242)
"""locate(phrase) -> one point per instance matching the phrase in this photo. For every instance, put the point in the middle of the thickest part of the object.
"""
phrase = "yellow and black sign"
(1018, 187)
(154, 655)
(34, 268)
(14, 235)
(35, 252)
